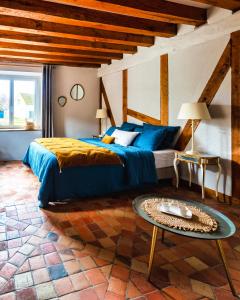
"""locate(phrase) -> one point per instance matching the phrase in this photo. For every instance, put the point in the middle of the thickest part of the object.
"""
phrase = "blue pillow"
(139, 128)
(111, 129)
(170, 136)
(128, 126)
(150, 139)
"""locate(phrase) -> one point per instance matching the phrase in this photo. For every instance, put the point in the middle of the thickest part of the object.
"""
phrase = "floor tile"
(132, 291)
(101, 290)
(57, 271)
(45, 291)
(117, 286)
(40, 276)
(95, 276)
(72, 266)
(8, 270)
(47, 248)
(36, 262)
(18, 259)
(79, 281)
(27, 249)
(8, 296)
(23, 280)
(52, 259)
(202, 288)
(88, 294)
(26, 294)
(196, 263)
(63, 286)
(87, 263)
(120, 272)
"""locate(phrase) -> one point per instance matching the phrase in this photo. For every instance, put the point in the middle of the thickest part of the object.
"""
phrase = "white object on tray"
(170, 209)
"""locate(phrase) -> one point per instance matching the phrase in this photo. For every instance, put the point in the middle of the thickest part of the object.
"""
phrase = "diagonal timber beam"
(208, 94)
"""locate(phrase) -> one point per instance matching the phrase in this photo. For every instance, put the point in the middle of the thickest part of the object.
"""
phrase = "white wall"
(77, 118)
(14, 144)
(113, 86)
(189, 71)
(143, 88)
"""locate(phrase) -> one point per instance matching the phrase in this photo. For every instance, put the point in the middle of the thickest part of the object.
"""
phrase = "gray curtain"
(47, 105)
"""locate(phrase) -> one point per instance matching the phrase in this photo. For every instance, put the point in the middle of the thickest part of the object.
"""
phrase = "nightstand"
(202, 160)
(97, 136)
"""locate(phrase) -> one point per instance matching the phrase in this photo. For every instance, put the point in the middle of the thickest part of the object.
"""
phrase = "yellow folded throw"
(71, 153)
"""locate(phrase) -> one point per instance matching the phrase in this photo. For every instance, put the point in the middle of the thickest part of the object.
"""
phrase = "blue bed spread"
(138, 169)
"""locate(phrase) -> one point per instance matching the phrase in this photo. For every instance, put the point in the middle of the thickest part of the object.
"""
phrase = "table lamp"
(102, 114)
(194, 111)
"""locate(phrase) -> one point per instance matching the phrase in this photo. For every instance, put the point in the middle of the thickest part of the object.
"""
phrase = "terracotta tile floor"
(98, 249)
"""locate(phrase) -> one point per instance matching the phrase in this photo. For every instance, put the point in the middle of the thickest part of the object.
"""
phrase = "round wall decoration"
(77, 92)
(62, 101)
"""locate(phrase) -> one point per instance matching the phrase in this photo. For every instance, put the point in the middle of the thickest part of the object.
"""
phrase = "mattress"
(164, 158)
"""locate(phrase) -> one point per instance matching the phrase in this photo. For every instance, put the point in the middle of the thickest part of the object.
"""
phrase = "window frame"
(37, 100)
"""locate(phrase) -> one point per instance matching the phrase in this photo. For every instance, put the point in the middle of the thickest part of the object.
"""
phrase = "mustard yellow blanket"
(71, 153)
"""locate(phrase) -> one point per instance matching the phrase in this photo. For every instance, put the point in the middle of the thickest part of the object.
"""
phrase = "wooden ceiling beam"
(26, 25)
(154, 10)
(77, 16)
(58, 51)
(41, 40)
(30, 60)
(233, 5)
(71, 59)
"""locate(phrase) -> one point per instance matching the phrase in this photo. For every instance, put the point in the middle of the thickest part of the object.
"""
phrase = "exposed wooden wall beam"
(100, 106)
(7, 53)
(105, 98)
(72, 15)
(30, 60)
(227, 4)
(155, 10)
(142, 117)
(58, 51)
(124, 94)
(235, 114)
(26, 25)
(41, 40)
(208, 93)
(164, 89)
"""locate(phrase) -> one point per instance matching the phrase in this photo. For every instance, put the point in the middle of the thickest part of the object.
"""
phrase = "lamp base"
(192, 152)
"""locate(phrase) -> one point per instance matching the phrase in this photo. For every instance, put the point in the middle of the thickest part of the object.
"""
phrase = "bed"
(137, 170)
(139, 163)
(164, 163)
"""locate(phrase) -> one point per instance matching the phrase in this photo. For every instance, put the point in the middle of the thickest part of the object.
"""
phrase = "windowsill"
(18, 129)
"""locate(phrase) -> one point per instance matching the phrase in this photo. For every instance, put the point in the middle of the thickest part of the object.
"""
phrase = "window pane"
(24, 101)
(4, 102)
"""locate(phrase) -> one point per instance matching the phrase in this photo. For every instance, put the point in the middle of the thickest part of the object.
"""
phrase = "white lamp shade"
(101, 113)
(194, 111)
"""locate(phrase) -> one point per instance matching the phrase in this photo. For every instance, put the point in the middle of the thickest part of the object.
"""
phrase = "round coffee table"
(226, 228)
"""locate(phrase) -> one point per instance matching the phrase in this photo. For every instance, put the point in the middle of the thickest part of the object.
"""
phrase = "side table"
(201, 160)
(97, 136)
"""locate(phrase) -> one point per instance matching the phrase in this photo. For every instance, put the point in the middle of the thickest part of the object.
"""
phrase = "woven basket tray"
(200, 221)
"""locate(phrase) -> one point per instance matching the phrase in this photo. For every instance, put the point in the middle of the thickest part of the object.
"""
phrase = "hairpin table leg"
(152, 250)
(163, 235)
(223, 257)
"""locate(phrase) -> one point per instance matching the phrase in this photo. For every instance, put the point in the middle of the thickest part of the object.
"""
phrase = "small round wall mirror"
(77, 92)
(62, 101)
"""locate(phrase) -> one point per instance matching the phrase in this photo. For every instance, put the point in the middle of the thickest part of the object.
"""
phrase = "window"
(20, 99)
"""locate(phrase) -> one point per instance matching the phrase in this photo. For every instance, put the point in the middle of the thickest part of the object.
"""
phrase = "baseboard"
(211, 193)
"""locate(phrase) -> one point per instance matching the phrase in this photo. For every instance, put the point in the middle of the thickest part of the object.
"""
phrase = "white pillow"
(124, 138)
